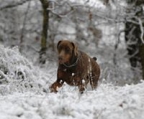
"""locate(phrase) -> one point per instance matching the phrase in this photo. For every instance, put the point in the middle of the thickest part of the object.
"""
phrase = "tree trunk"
(42, 53)
(142, 58)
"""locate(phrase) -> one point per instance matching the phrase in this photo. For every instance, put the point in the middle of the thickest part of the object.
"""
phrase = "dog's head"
(66, 50)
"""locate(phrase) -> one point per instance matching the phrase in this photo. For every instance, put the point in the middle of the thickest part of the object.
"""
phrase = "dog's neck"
(73, 62)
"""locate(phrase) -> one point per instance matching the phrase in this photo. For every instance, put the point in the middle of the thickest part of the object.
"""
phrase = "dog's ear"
(75, 49)
(58, 43)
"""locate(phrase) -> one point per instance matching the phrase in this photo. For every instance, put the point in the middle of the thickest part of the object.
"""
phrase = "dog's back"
(90, 69)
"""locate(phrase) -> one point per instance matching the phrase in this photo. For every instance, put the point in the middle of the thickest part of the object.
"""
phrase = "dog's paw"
(81, 90)
(52, 90)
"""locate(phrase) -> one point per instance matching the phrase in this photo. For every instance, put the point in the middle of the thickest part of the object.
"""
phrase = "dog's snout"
(60, 58)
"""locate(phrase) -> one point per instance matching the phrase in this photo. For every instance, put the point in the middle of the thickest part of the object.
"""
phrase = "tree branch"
(142, 30)
(12, 5)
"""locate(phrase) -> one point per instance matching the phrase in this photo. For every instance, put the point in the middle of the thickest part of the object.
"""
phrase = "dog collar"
(72, 65)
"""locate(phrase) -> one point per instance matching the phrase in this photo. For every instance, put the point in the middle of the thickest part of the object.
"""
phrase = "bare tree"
(42, 55)
(134, 34)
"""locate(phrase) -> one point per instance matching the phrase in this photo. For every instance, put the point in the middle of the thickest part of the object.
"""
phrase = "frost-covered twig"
(5, 76)
(63, 15)
(138, 22)
(142, 30)
(14, 4)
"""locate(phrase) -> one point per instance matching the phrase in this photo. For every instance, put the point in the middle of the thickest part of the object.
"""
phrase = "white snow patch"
(73, 74)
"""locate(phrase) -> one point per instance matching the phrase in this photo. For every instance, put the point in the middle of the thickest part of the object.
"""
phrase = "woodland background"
(111, 30)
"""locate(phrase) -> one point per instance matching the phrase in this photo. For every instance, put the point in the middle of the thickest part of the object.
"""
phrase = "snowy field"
(24, 94)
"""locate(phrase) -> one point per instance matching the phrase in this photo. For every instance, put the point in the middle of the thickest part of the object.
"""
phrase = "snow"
(92, 3)
(17, 73)
(19, 101)
(107, 102)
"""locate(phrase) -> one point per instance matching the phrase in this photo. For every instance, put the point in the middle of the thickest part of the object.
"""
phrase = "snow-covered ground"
(24, 94)
(108, 102)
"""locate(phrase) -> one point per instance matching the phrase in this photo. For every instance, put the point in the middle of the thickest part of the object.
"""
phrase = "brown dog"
(75, 67)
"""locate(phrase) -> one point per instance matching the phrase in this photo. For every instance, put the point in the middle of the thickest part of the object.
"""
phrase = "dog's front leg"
(56, 85)
(81, 87)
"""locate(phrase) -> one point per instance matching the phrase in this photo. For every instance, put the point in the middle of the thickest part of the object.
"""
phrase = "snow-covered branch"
(13, 4)
(142, 30)
(4, 75)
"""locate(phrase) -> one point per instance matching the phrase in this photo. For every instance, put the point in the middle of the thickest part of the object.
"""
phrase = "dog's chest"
(71, 73)
(71, 76)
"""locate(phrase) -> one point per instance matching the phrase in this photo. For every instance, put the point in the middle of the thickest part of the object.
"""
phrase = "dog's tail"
(95, 58)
